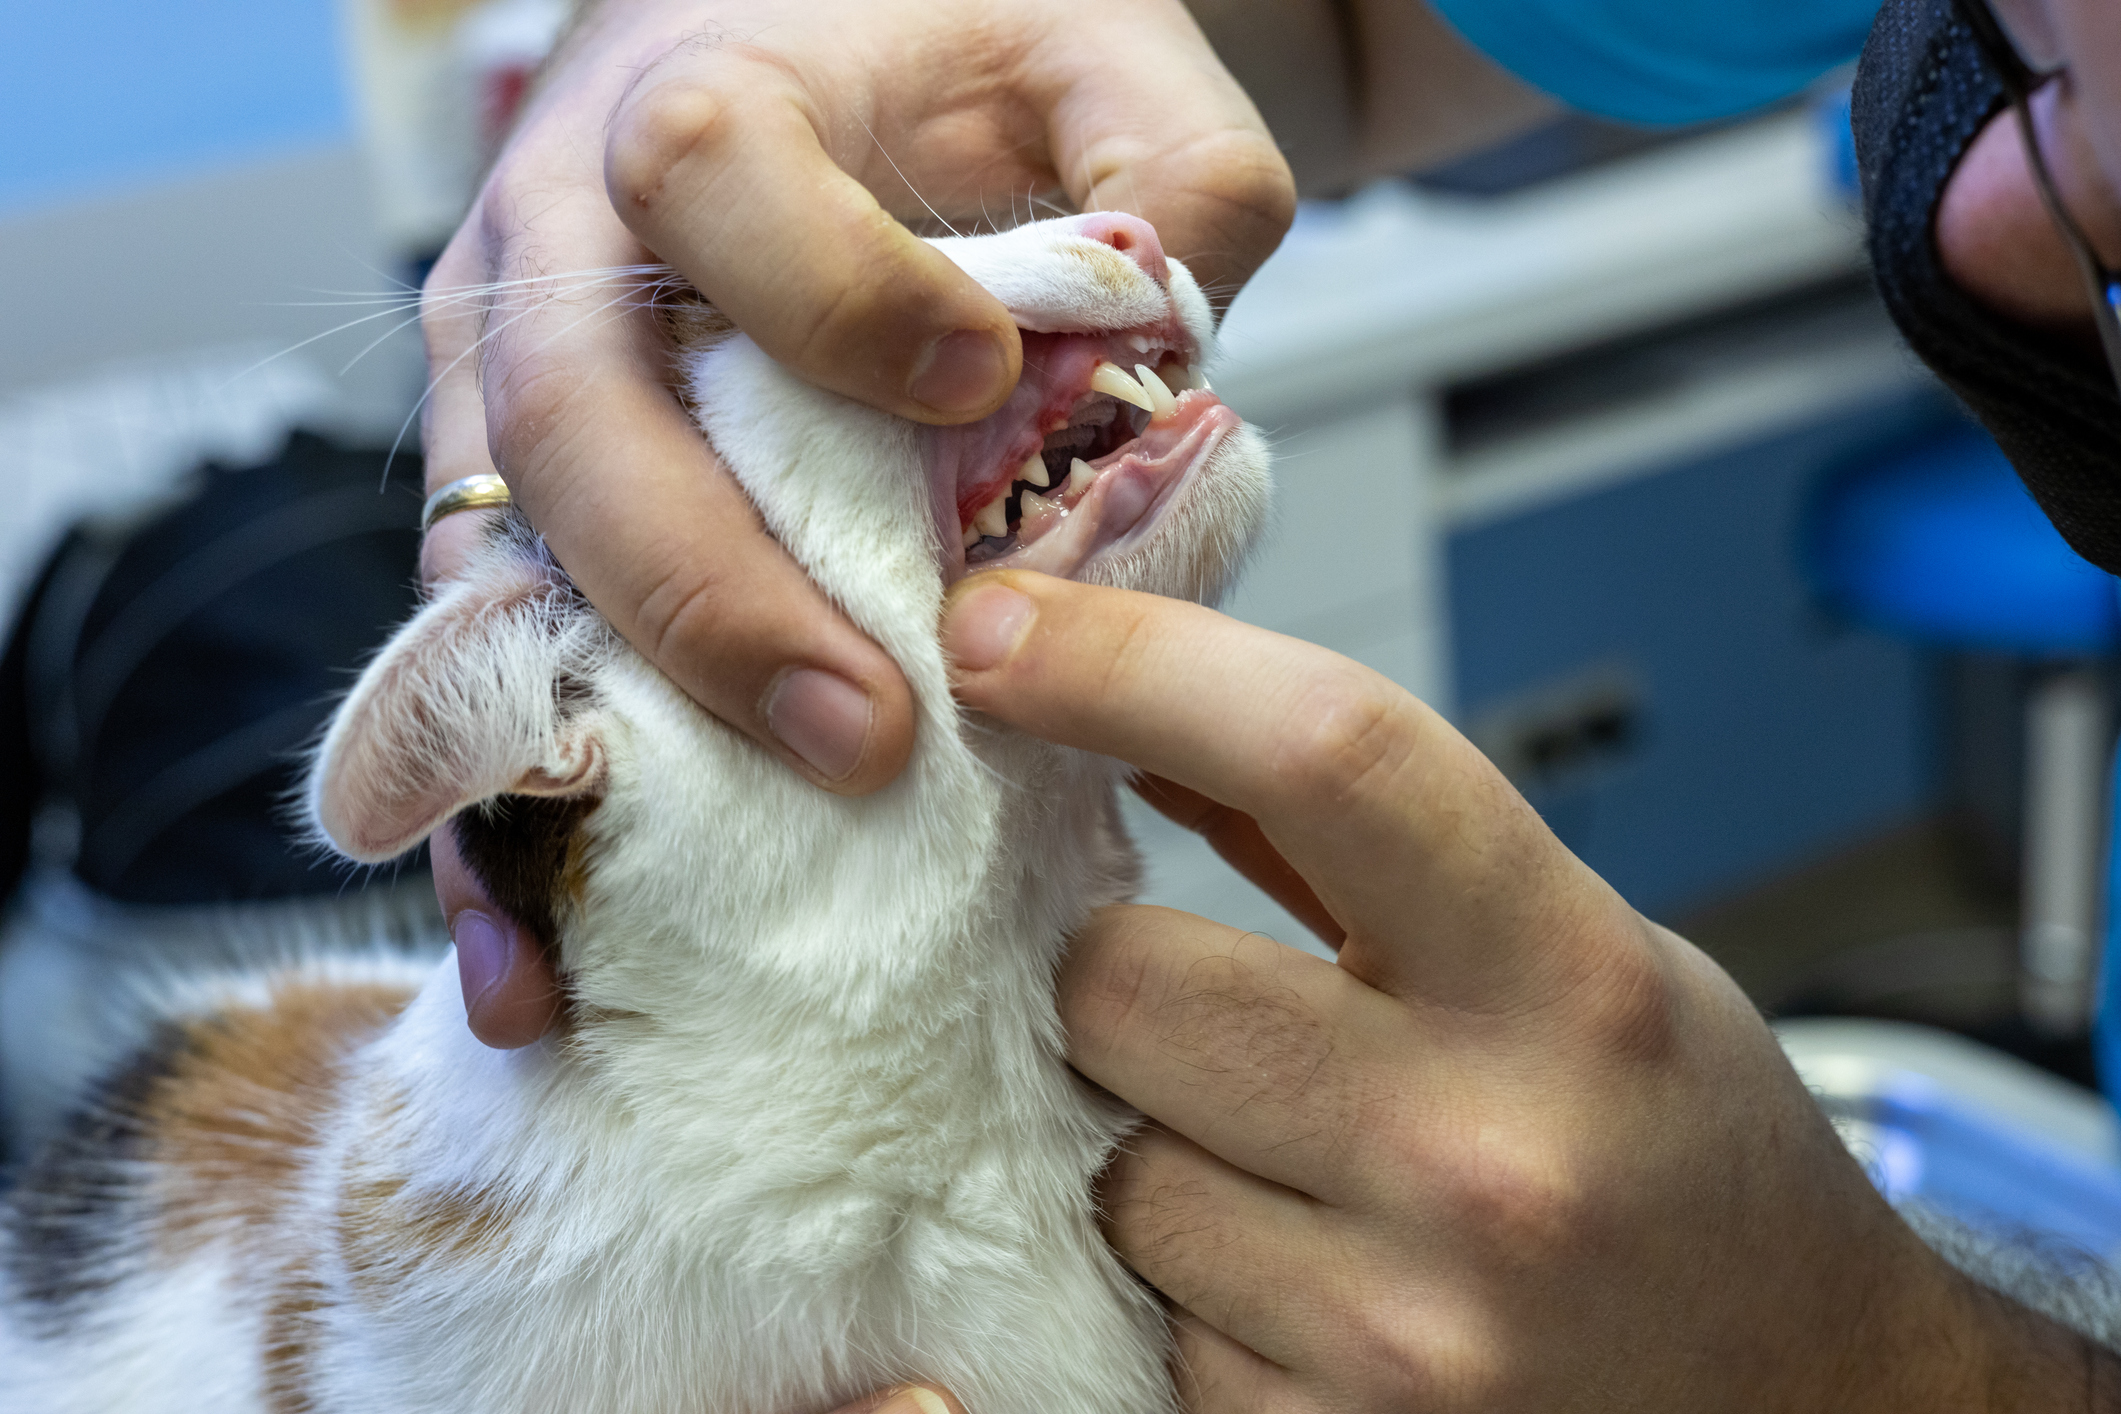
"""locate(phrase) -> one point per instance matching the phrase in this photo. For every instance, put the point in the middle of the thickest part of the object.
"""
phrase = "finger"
(511, 996)
(1255, 1051)
(1236, 1251)
(714, 161)
(454, 308)
(1158, 127)
(1393, 818)
(1237, 838)
(905, 1399)
(606, 463)
(1217, 1375)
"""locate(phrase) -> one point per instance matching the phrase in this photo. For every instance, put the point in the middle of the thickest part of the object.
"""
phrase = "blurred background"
(1597, 442)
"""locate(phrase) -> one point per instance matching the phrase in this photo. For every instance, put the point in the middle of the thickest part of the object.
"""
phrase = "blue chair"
(1941, 544)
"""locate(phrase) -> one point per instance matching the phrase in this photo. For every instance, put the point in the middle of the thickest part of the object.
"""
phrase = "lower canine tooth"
(1111, 379)
(1079, 477)
(1034, 471)
(993, 518)
(971, 536)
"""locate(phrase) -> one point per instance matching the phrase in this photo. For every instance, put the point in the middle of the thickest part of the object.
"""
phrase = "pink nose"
(1130, 235)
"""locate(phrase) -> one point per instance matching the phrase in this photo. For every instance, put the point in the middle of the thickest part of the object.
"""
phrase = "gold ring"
(466, 493)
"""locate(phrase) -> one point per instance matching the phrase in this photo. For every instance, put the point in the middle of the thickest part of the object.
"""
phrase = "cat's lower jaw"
(1127, 495)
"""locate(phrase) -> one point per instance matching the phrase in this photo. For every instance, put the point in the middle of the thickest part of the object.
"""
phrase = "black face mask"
(1922, 93)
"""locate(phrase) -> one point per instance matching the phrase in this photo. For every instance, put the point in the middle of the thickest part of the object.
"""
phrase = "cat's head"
(587, 773)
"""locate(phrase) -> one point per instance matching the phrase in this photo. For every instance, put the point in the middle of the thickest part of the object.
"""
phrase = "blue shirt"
(1664, 61)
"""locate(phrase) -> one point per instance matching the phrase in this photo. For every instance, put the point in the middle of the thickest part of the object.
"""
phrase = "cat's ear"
(474, 698)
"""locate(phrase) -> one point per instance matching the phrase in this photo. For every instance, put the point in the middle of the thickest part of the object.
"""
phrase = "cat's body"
(805, 1129)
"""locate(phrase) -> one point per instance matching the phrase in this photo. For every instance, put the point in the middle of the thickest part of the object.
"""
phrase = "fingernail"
(985, 626)
(960, 372)
(482, 954)
(914, 1399)
(822, 718)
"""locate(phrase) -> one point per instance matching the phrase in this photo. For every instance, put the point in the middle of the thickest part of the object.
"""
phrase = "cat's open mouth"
(1088, 452)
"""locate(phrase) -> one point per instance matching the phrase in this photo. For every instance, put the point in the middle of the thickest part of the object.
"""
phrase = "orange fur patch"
(1114, 273)
(231, 1125)
(388, 1234)
(290, 1319)
(230, 1128)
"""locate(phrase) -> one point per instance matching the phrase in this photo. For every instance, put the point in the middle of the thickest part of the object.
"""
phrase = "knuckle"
(680, 616)
(1251, 179)
(1109, 985)
(1526, 1196)
(1348, 733)
(661, 126)
(1629, 1003)
(443, 306)
(530, 404)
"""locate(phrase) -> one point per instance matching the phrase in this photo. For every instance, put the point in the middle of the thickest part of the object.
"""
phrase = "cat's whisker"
(904, 178)
(493, 331)
(379, 340)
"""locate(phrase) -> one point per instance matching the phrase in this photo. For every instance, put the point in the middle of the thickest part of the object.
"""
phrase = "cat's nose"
(1131, 236)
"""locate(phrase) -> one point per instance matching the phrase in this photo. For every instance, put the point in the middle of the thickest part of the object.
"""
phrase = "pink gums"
(969, 465)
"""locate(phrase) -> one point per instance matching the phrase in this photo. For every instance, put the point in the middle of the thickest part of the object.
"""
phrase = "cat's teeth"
(1034, 471)
(1079, 477)
(993, 518)
(1160, 399)
(1037, 511)
(1111, 379)
(971, 536)
(1138, 342)
(1189, 377)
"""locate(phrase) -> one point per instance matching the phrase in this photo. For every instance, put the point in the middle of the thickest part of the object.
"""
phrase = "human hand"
(1521, 1149)
(905, 1399)
(762, 147)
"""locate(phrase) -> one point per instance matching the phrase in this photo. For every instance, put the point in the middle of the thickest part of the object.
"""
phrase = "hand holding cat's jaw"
(1521, 1148)
(649, 525)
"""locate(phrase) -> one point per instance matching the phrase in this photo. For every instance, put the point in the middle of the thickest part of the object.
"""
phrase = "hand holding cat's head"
(507, 684)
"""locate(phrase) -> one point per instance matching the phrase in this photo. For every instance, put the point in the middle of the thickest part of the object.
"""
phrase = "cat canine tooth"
(1112, 379)
(1034, 471)
(971, 536)
(1160, 397)
(1079, 477)
(993, 518)
(1189, 377)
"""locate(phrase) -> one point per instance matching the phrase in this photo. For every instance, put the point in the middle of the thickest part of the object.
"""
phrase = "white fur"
(810, 1131)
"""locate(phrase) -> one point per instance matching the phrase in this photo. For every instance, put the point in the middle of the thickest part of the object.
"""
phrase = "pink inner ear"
(578, 769)
(459, 707)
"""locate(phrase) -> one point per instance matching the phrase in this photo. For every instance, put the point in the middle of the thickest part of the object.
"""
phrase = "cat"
(805, 1128)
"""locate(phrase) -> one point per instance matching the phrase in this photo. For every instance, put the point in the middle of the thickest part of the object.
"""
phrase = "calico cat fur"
(805, 1129)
